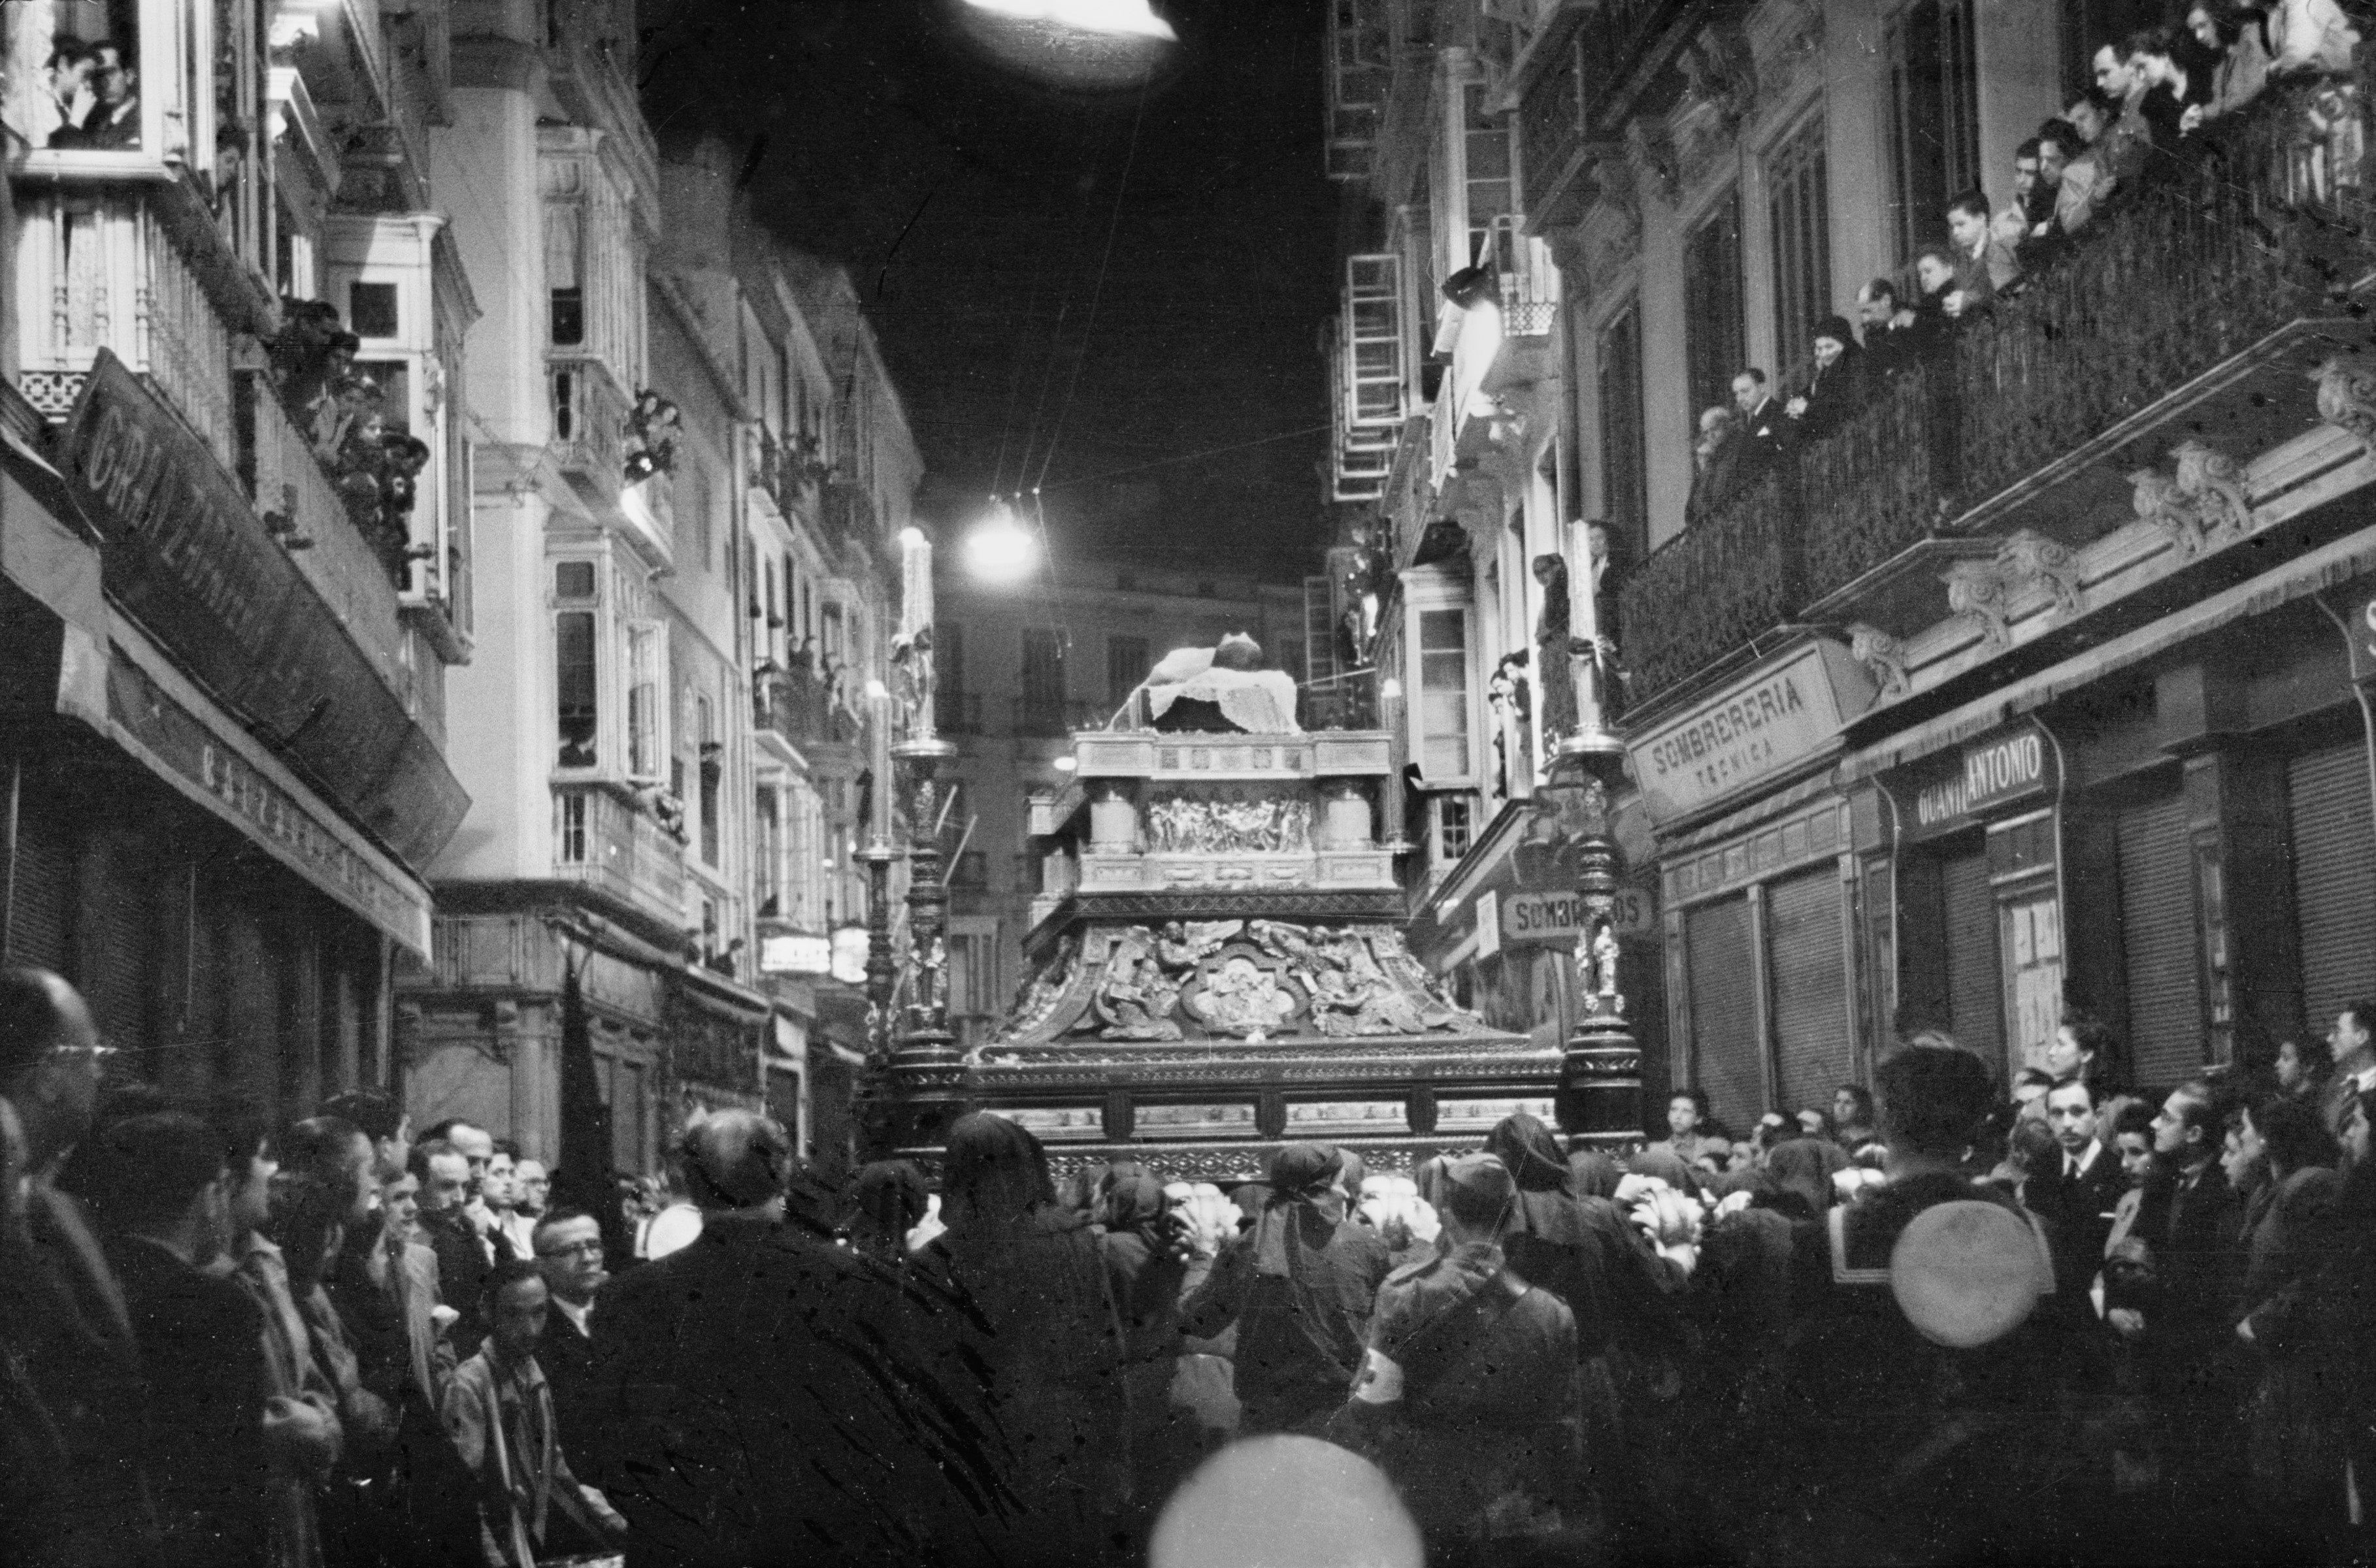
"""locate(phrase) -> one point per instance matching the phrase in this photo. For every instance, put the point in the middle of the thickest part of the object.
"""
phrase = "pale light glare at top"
(1000, 549)
(1131, 18)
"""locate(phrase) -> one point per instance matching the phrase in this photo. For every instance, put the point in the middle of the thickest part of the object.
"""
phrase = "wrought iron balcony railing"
(2218, 254)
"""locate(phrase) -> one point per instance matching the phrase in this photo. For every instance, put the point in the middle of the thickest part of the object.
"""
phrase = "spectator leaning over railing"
(2239, 39)
(1891, 341)
(2013, 223)
(2092, 178)
(2130, 139)
(2059, 144)
(1934, 273)
(1985, 265)
(1836, 384)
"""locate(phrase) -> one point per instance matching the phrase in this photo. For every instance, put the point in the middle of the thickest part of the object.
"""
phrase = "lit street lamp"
(1000, 549)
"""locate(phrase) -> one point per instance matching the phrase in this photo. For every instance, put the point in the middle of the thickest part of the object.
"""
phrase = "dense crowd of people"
(1940, 1318)
(2164, 100)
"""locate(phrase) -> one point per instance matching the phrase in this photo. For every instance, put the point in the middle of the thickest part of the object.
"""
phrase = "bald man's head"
(735, 1159)
(49, 1060)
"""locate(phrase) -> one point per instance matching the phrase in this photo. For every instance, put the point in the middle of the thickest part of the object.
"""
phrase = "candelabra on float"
(920, 1034)
(1600, 1074)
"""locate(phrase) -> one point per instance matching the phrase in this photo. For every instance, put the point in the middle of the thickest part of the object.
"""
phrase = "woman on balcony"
(1837, 382)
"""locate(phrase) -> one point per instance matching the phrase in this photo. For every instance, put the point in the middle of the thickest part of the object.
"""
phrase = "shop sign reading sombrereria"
(1756, 727)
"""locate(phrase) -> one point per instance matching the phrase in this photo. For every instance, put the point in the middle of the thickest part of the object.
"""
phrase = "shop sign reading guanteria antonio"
(1756, 727)
(2009, 766)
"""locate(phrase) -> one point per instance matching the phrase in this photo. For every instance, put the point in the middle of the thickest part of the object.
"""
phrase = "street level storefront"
(2171, 831)
(229, 913)
(1975, 887)
(1768, 1004)
(481, 1027)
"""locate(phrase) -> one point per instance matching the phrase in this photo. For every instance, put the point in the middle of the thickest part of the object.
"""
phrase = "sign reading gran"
(1756, 727)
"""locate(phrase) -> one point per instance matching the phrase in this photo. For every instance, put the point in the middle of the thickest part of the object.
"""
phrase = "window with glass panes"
(1443, 694)
(1800, 229)
(1934, 118)
(1714, 348)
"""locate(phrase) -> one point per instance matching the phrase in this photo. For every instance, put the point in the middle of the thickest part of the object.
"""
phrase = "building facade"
(1024, 667)
(2034, 682)
(688, 468)
(235, 538)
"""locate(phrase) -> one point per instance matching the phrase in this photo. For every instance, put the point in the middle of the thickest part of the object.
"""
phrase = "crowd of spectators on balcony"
(373, 462)
(2163, 101)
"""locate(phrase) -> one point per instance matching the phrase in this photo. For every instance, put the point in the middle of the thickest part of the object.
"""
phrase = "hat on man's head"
(1478, 1190)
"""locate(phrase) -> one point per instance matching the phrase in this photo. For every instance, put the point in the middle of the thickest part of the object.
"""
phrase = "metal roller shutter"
(41, 889)
(1810, 975)
(1974, 976)
(2158, 940)
(1723, 1009)
(2333, 844)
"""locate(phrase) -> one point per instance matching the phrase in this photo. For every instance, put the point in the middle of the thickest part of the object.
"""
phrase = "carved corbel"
(1721, 70)
(2214, 489)
(2346, 398)
(2155, 499)
(1612, 176)
(1651, 145)
(1883, 656)
(2027, 557)
(1977, 590)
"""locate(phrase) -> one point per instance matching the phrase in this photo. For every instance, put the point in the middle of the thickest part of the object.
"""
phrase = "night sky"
(974, 206)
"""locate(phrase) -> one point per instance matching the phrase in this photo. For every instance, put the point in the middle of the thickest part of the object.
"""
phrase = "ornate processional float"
(1218, 966)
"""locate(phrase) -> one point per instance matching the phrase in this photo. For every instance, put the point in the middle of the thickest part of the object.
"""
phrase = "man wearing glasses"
(569, 1255)
(82, 1363)
(113, 123)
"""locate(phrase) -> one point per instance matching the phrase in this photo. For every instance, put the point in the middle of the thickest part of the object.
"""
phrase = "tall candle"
(916, 582)
(878, 759)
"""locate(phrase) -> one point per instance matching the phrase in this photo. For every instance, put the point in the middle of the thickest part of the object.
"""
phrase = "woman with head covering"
(1836, 384)
(1035, 1292)
(1661, 1163)
(1595, 1174)
(1298, 1285)
(888, 1199)
(1145, 1248)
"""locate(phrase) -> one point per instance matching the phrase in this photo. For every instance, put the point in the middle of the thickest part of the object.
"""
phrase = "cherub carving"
(1135, 996)
(1652, 146)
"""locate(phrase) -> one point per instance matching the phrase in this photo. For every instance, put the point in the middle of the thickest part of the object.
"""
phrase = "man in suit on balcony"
(1766, 432)
(113, 123)
(1891, 342)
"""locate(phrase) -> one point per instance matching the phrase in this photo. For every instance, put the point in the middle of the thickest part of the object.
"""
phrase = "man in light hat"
(1469, 1393)
(1905, 1408)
